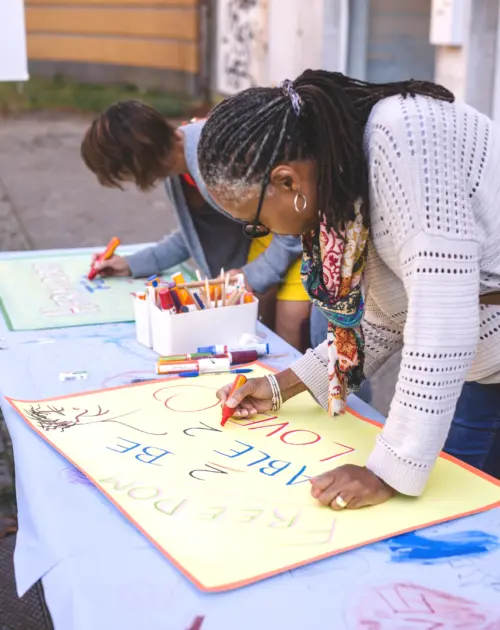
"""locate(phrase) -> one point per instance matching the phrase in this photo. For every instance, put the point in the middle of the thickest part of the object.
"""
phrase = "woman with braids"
(131, 141)
(394, 189)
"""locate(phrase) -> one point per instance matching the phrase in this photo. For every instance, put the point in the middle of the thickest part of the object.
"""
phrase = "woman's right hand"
(255, 396)
(114, 266)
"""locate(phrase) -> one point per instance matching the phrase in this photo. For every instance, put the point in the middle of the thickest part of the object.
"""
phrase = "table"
(99, 572)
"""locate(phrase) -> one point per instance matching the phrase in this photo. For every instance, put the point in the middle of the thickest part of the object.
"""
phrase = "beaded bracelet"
(277, 399)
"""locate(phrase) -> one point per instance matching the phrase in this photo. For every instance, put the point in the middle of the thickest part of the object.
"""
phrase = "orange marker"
(106, 255)
(178, 278)
(227, 412)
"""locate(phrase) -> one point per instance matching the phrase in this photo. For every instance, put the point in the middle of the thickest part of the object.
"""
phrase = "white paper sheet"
(13, 57)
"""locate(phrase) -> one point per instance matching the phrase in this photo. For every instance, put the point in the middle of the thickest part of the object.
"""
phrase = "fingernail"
(244, 413)
(253, 411)
(231, 402)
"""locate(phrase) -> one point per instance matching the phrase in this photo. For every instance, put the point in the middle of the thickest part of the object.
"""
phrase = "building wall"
(398, 45)
(151, 42)
(261, 42)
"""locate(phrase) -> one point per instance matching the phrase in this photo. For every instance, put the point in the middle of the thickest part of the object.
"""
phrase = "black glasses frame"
(256, 229)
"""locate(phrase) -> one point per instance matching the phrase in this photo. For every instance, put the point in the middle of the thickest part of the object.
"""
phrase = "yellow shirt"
(291, 290)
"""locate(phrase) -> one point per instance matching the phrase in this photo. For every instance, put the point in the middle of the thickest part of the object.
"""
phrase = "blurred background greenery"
(61, 94)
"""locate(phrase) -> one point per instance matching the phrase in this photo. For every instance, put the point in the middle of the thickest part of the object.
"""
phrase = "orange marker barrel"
(106, 255)
(227, 412)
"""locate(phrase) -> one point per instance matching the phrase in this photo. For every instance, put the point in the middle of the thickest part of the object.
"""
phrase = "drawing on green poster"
(52, 291)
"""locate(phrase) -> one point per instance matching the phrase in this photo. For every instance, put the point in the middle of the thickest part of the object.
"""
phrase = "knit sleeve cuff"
(143, 263)
(405, 477)
(313, 372)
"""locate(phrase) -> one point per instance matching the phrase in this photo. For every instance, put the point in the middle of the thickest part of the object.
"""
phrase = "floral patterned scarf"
(332, 267)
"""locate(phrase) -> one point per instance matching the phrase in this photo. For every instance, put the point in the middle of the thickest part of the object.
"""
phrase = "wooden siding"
(159, 34)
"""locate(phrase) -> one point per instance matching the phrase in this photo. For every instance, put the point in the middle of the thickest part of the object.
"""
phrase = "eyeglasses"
(256, 229)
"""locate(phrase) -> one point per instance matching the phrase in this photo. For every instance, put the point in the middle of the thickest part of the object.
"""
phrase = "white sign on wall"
(307, 34)
(13, 58)
(447, 22)
(241, 44)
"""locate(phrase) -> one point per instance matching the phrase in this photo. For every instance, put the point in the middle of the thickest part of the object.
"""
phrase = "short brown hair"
(129, 139)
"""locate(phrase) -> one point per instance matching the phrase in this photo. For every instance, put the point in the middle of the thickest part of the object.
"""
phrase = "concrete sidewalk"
(49, 199)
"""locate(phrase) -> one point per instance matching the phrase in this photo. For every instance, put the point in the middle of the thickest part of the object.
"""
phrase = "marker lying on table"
(236, 371)
(227, 412)
(80, 375)
(260, 348)
(203, 366)
(184, 357)
(106, 255)
(235, 358)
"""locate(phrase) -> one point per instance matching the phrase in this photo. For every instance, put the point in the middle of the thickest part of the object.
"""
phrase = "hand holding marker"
(106, 255)
(227, 412)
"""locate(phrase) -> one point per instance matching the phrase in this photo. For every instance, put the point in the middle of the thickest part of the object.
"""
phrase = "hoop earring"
(303, 202)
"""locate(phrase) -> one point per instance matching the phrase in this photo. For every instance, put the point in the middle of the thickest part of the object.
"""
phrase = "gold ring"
(340, 502)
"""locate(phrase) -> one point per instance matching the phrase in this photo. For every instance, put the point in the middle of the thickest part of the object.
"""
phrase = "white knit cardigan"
(434, 171)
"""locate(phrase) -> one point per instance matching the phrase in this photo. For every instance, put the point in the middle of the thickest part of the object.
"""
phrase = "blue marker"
(199, 301)
(153, 281)
(193, 374)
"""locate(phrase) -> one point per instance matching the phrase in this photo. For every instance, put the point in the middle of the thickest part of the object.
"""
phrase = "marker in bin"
(166, 301)
(106, 255)
(153, 281)
(184, 296)
(179, 306)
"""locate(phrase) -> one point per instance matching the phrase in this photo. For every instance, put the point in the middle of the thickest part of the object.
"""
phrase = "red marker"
(166, 301)
(106, 255)
(227, 412)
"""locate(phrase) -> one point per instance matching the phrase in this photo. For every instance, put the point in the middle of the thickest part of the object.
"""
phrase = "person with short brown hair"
(132, 142)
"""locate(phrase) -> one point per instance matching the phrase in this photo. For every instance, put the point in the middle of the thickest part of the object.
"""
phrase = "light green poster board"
(52, 291)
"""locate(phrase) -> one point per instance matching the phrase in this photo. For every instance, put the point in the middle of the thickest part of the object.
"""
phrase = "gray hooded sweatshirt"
(211, 236)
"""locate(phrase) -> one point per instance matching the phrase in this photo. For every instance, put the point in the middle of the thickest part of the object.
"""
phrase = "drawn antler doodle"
(66, 418)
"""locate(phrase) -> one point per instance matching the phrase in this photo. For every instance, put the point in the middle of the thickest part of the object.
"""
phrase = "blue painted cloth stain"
(420, 549)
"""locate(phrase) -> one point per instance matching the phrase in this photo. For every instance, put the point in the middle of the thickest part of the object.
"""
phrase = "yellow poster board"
(231, 506)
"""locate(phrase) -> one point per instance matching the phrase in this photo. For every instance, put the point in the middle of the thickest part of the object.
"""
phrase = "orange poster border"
(238, 584)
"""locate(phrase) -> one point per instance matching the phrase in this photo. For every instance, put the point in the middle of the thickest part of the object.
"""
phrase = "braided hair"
(321, 116)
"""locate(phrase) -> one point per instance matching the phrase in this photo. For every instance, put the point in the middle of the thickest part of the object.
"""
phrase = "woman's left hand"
(350, 487)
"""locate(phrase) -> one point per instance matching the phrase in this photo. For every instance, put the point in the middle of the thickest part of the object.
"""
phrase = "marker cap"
(166, 300)
(243, 356)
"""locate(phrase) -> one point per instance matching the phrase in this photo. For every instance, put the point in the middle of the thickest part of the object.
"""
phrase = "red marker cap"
(166, 301)
(243, 356)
